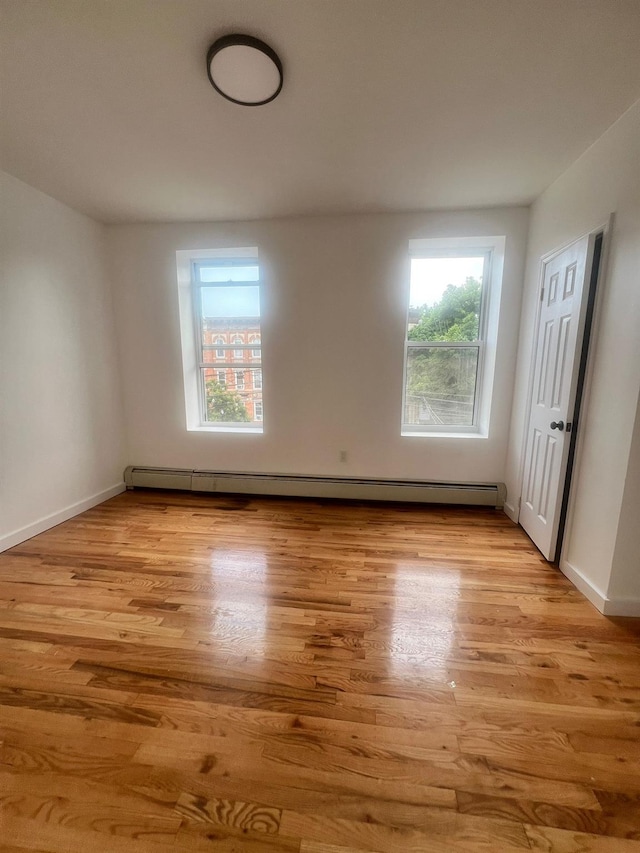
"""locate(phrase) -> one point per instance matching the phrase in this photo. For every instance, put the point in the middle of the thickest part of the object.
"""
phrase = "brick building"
(232, 346)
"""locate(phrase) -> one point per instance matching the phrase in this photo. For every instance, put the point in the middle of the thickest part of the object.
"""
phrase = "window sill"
(429, 434)
(232, 429)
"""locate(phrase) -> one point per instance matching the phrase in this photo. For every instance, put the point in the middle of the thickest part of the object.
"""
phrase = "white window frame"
(190, 329)
(258, 407)
(256, 375)
(221, 378)
(492, 248)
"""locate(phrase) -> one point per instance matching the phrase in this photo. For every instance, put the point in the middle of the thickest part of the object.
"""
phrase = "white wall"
(335, 294)
(625, 569)
(605, 179)
(61, 433)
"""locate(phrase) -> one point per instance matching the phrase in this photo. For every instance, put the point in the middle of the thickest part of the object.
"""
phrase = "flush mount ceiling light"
(244, 70)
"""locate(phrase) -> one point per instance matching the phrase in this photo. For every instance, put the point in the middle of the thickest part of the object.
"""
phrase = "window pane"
(441, 383)
(230, 301)
(230, 355)
(444, 300)
(229, 273)
(232, 397)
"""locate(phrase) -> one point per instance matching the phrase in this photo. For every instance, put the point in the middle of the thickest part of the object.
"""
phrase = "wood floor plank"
(566, 841)
(33, 834)
(193, 672)
(387, 839)
(249, 817)
(609, 820)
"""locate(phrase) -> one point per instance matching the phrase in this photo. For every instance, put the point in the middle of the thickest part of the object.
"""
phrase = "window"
(238, 353)
(257, 380)
(222, 289)
(255, 353)
(446, 337)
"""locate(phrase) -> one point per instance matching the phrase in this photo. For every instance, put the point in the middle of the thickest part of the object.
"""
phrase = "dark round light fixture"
(244, 70)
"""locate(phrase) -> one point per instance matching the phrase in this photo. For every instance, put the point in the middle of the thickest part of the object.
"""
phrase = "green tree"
(454, 318)
(444, 378)
(224, 406)
(443, 373)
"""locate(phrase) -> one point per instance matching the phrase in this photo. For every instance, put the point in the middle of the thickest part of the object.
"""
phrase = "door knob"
(559, 425)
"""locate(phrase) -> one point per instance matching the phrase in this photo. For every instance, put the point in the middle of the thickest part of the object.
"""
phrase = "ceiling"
(386, 105)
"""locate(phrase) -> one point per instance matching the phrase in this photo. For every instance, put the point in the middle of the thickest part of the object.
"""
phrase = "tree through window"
(445, 340)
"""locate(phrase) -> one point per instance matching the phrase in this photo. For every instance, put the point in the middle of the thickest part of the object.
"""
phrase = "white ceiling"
(386, 105)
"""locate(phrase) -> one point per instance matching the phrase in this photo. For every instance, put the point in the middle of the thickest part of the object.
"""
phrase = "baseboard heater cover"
(294, 485)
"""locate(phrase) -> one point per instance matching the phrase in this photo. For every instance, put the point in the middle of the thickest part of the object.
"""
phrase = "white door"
(555, 357)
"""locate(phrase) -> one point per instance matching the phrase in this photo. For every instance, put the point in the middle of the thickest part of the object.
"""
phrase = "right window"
(445, 340)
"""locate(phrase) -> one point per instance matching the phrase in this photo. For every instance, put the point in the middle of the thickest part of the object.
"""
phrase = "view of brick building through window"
(232, 346)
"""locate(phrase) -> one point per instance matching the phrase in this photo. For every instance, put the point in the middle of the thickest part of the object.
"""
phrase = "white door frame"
(605, 229)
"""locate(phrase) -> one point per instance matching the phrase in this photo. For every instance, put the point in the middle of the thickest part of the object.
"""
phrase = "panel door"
(555, 356)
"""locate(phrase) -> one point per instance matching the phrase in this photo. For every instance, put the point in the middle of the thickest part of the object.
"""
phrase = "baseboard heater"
(293, 485)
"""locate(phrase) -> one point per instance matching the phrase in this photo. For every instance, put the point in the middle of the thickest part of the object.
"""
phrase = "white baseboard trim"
(606, 606)
(595, 595)
(511, 511)
(9, 540)
(622, 607)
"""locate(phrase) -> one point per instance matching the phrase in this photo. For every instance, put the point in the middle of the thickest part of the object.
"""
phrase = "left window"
(223, 374)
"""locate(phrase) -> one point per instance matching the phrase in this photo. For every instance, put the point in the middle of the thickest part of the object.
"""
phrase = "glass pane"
(441, 383)
(444, 299)
(232, 396)
(212, 354)
(231, 302)
(230, 332)
(249, 272)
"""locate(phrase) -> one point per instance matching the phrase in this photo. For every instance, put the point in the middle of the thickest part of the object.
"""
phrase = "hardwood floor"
(215, 673)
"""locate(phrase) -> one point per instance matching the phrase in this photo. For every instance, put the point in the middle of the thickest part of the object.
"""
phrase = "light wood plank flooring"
(185, 673)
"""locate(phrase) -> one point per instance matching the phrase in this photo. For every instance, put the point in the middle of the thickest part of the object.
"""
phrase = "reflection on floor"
(187, 672)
